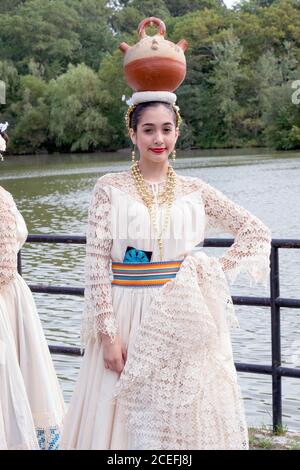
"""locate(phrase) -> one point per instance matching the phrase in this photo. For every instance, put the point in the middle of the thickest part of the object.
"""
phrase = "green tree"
(280, 116)
(30, 134)
(240, 66)
(256, 94)
(10, 5)
(282, 120)
(9, 75)
(182, 7)
(95, 35)
(75, 100)
(114, 88)
(225, 79)
(268, 28)
(42, 31)
(252, 6)
(127, 19)
(201, 28)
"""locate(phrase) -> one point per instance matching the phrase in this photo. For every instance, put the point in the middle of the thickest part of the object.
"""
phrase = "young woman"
(163, 321)
(31, 403)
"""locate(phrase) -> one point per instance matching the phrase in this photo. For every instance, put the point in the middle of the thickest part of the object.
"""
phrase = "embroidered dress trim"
(144, 274)
(48, 438)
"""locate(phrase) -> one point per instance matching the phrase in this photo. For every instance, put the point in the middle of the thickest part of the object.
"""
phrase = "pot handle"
(150, 22)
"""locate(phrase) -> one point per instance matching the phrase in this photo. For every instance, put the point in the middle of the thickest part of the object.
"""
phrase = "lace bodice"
(249, 253)
(124, 181)
(8, 239)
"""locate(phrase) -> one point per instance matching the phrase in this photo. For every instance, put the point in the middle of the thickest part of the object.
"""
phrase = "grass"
(264, 438)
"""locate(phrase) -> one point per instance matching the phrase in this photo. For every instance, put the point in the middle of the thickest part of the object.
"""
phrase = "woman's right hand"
(114, 354)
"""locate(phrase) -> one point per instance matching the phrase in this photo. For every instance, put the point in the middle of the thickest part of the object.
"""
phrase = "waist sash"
(144, 274)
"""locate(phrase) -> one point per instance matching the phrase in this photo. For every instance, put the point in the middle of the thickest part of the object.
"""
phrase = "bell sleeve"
(8, 239)
(98, 314)
(250, 251)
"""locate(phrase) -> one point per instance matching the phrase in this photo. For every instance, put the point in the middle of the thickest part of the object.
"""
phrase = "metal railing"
(275, 302)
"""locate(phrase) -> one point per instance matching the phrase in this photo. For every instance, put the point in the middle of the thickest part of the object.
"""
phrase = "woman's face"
(156, 134)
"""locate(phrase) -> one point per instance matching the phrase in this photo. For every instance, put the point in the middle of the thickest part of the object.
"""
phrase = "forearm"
(250, 251)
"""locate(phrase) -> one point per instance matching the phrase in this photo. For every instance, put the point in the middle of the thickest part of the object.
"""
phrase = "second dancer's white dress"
(118, 219)
(31, 403)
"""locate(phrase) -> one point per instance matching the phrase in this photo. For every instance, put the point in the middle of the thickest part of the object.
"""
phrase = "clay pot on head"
(154, 64)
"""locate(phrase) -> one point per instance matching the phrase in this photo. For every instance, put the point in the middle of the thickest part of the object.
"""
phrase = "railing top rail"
(73, 239)
(208, 242)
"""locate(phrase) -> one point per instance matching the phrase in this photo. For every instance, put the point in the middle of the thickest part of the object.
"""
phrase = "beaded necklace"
(166, 196)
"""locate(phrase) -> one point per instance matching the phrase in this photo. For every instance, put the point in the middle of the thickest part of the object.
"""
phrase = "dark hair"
(140, 108)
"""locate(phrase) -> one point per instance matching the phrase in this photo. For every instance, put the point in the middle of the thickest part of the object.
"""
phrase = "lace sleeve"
(8, 239)
(250, 251)
(98, 310)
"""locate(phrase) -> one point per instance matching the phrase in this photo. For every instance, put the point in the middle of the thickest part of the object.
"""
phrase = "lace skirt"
(178, 389)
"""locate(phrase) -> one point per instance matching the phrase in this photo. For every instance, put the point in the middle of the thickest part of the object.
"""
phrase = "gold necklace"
(166, 196)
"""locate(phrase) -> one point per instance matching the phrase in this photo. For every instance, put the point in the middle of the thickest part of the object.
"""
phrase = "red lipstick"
(157, 150)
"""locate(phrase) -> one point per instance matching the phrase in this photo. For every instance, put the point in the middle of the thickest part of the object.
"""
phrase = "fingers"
(114, 355)
(116, 366)
(119, 366)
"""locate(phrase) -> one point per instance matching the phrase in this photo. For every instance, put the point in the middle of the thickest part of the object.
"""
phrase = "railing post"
(19, 263)
(276, 342)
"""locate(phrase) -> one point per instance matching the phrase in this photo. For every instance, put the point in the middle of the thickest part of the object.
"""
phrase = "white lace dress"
(31, 403)
(179, 387)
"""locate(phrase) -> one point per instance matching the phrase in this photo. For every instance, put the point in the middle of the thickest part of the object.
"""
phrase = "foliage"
(64, 82)
(76, 121)
(31, 128)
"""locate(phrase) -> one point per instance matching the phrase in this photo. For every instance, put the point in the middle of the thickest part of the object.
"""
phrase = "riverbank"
(264, 439)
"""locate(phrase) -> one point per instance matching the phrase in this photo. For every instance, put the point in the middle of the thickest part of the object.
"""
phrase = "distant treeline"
(64, 82)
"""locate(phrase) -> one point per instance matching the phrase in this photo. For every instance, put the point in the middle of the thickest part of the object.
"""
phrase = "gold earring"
(174, 155)
(133, 155)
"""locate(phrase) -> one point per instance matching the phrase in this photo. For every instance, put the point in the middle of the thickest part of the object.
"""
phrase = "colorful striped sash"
(144, 274)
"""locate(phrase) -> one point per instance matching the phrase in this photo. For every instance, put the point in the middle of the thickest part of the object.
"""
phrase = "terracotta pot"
(154, 64)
